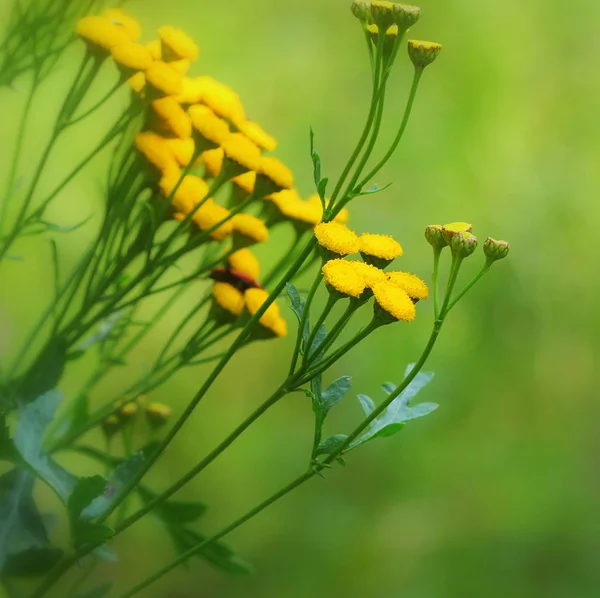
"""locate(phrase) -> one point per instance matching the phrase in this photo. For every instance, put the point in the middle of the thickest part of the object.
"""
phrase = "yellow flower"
(191, 92)
(257, 135)
(179, 44)
(155, 150)
(370, 274)
(423, 54)
(228, 297)
(181, 66)
(414, 287)
(131, 56)
(221, 99)
(137, 82)
(111, 425)
(157, 414)
(164, 78)
(271, 319)
(394, 301)
(128, 411)
(126, 22)
(155, 48)
(245, 262)
(208, 124)
(239, 149)
(274, 170)
(209, 215)
(245, 181)
(174, 117)
(391, 35)
(458, 227)
(336, 238)
(101, 33)
(381, 247)
(191, 191)
(341, 276)
(251, 227)
(290, 205)
(182, 149)
(213, 161)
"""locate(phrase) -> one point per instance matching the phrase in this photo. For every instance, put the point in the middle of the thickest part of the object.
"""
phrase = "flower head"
(155, 48)
(336, 238)
(370, 274)
(213, 161)
(130, 26)
(182, 149)
(221, 99)
(163, 78)
(208, 125)
(495, 250)
(412, 285)
(155, 149)
(463, 244)
(137, 82)
(131, 55)
(379, 250)
(434, 234)
(178, 44)
(405, 16)
(361, 9)
(111, 425)
(271, 319)
(210, 215)
(391, 35)
(242, 152)
(251, 228)
(257, 135)
(173, 116)
(274, 175)
(342, 277)
(244, 261)
(392, 303)
(382, 14)
(228, 298)
(423, 54)
(100, 33)
(190, 191)
(290, 206)
(158, 414)
(245, 181)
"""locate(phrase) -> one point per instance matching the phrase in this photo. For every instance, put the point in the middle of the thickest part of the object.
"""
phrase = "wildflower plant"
(192, 187)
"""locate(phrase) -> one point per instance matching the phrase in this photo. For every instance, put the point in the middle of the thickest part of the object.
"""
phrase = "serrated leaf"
(85, 491)
(34, 419)
(100, 592)
(117, 480)
(388, 388)
(297, 304)
(331, 445)
(374, 189)
(173, 511)
(33, 562)
(367, 404)
(334, 393)
(89, 533)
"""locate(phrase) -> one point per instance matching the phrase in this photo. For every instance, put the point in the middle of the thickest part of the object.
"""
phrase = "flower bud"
(157, 415)
(405, 16)
(390, 38)
(463, 244)
(449, 230)
(360, 9)
(111, 425)
(495, 250)
(423, 54)
(128, 411)
(382, 14)
(435, 236)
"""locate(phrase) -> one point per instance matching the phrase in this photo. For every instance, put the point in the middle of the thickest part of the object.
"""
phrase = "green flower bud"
(111, 425)
(390, 37)
(435, 236)
(382, 13)
(405, 16)
(361, 9)
(157, 415)
(423, 54)
(495, 250)
(463, 244)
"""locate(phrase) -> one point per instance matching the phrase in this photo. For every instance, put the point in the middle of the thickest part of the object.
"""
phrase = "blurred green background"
(495, 494)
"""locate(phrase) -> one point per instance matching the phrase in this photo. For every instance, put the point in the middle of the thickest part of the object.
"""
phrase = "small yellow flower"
(213, 161)
(458, 227)
(137, 82)
(395, 302)
(111, 425)
(209, 215)
(391, 35)
(158, 414)
(290, 205)
(228, 297)
(251, 227)
(382, 14)
(155, 48)
(341, 276)
(164, 78)
(155, 150)
(423, 54)
(337, 238)
(414, 287)
(181, 66)
(191, 91)
(208, 124)
(271, 319)
(100, 33)
(370, 274)
(129, 411)
(245, 262)
(173, 116)
(221, 99)
(434, 234)
(182, 150)
(245, 182)
(131, 55)
(191, 191)
(257, 135)
(179, 44)
(383, 247)
(240, 150)
(130, 26)
(276, 172)
(463, 244)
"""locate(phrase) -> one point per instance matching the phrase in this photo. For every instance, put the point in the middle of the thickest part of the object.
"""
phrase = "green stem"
(338, 327)
(308, 352)
(476, 279)
(437, 252)
(97, 105)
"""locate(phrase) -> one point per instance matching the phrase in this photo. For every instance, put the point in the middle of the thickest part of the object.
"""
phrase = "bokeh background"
(495, 494)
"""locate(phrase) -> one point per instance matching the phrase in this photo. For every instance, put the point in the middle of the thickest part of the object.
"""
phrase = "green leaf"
(322, 189)
(34, 418)
(334, 393)
(99, 592)
(216, 553)
(46, 372)
(65, 229)
(89, 532)
(7, 447)
(75, 417)
(317, 342)
(106, 553)
(372, 190)
(117, 480)
(316, 159)
(297, 304)
(331, 445)
(33, 562)
(173, 511)
(399, 411)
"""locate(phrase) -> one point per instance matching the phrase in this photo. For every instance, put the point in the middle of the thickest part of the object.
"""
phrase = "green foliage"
(100, 592)
(331, 445)
(320, 183)
(176, 512)
(46, 372)
(297, 303)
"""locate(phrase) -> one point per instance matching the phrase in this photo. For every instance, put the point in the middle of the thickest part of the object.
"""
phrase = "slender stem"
(454, 269)
(97, 105)
(337, 328)
(308, 348)
(474, 281)
(437, 252)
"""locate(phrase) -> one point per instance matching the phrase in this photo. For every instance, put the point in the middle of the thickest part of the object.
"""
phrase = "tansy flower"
(271, 319)
(164, 79)
(182, 149)
(221, 99)
(155, 48)
(245, 182)
(228, 298)
(208, 124)
(190, 192)
(155, 150)
(174, 117)
(157, 414)
(213, 161)
(370, 274)
(179, 44)
(422, 54)
(209, 215)
(137, 82)
(242, 152)
(393, 302)
(245, 262)
(250, 227)
(129, 411)
(131, 55)
(124, 21)
(336, 238)
(257, 135)
(100, 33)
(181, 66)
(379, 250)
(391, 35)
(412, 285)
(191, 92)
(343, 278)
(276, 173)
(290, 206)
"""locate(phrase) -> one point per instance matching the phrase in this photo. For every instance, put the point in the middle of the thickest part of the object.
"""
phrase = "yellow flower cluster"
(396, 293)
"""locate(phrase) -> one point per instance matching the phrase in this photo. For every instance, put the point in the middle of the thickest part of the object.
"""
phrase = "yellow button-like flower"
(155, 48)
(414, 287)
(422, 53)
(181, 66)
(191, 91)
(251, 227)
(179, 44)
(155, 150)
(458, 227)
(131, 55)
(341, 276)
(130, 26)
(394, 302)
(337, 238)
(182, 149)
(290, 205)
(228, 297)
(239, 149)
(190, 191)
(276, 172)
(271, 319)
(137, 82)
(370, 274)
(210, 214)
(100, 33)
(245, 182)
(208, 124)
(257, 135)
(164, 78)
(174, 117)
(158, 414)
(245, 262)
(213, 161)
(382, 247)
(221, 99)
